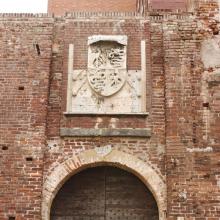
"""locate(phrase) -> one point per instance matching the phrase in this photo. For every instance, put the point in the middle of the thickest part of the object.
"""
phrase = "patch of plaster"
(199, 150)
(113, 123)
(217, 16)
(54, 146)
(160, 149)
(206, 111)
(218, 180)
(170, 103)
(104, 151)
(210, 52)
(98, 122)
(183, 195)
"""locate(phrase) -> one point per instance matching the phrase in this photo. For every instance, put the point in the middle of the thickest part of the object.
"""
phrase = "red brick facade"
(59, 7)
(168, 5)
(181, 153)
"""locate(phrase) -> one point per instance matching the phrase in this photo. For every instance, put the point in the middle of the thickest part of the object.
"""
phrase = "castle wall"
(24, 76)
(77, 32)
(192, 121)
(177, 142)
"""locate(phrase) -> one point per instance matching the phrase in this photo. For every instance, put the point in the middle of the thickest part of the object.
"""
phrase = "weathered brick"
(182, 153)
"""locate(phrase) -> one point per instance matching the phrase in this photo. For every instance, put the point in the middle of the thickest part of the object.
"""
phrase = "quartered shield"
(106, 82)
(107, 67)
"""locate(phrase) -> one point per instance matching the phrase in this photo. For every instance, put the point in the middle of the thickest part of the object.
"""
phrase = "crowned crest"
(106, 65)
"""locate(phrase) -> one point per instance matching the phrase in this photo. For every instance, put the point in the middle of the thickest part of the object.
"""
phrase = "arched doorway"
(104, 193)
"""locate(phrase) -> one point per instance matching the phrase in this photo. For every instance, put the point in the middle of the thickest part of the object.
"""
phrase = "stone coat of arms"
(107, 64)
(106, 85)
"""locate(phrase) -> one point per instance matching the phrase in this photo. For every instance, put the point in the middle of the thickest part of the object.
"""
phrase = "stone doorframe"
(99, 157)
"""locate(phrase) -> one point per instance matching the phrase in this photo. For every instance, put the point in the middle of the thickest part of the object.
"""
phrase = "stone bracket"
(104, 132)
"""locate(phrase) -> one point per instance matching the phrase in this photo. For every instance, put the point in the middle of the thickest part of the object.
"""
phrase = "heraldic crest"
(107, 64)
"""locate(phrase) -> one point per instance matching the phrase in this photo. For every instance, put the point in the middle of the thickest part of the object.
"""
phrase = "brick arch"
(92, 158)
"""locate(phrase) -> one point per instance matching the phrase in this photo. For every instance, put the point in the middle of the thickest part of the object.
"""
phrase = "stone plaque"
(106, 86)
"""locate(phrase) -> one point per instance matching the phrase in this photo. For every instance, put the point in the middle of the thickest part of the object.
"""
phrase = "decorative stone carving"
(106, 67)
(106, 86)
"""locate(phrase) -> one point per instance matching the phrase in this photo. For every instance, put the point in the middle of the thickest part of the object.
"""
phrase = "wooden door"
(104, 193)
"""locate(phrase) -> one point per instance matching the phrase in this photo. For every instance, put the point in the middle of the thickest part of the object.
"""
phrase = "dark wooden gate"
(104, 193)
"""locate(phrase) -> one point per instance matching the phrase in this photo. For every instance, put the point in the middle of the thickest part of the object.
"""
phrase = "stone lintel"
(92, 114)
(105, 132)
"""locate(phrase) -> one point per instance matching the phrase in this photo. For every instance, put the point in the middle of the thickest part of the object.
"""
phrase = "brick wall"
(168, 4)
(183, 102)
(59, 7)
(73, 34)
(24, 78)
(77, 32)
(191, 117)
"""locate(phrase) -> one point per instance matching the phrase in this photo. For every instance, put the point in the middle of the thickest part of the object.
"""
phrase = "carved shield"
(106, 82)
(107, 67)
